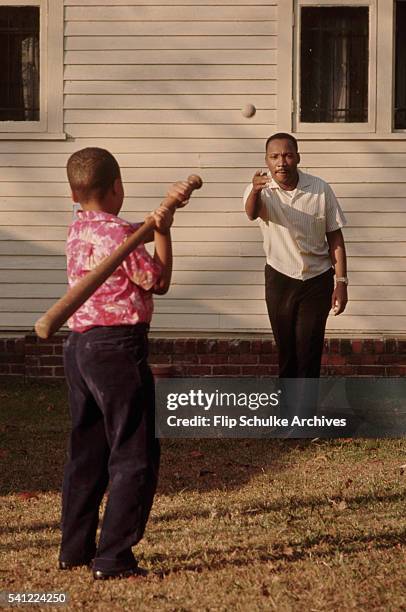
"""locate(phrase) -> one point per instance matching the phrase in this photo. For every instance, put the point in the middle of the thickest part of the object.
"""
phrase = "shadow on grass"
(287, 505)
(323, 547)
(34, 429)
(18, 547)
(221, 464)
(34, 528)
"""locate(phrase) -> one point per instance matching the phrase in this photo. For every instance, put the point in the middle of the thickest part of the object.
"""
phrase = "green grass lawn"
(240, 525)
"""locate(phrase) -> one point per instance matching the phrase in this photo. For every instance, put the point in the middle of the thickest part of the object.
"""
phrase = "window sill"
(401, 135)
(32, 136)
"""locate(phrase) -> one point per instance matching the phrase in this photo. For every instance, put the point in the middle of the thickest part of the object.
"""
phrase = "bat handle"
(195, 182)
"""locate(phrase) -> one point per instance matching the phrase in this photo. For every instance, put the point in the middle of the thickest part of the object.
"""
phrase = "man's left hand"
(339, 298)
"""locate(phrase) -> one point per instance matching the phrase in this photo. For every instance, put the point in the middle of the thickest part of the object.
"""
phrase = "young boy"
(111, 388)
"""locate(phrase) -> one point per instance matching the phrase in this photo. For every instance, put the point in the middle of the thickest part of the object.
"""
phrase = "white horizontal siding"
(199, 263)
(374, 251)
(161, 85)
(134, 206)
(87, 43)
(165, 2)
(168, 102)
(123, 72)
(214, 322)
(208, 234)
(175, 131)
(158, 145)
(176, 12)
(211, 175)
(217, 160)
(194, 292)
(25, 188)
(264, 27)
(255, 307)
(239, 143)
(194, 220)
(174, 117)
(178, 57)
(179, 87)
(142, 79)
(229, 277)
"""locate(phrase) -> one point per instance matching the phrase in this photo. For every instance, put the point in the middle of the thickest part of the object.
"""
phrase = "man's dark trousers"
(111, 396)
(298, 312)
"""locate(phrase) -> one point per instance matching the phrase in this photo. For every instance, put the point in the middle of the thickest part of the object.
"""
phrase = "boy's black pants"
(111, 396)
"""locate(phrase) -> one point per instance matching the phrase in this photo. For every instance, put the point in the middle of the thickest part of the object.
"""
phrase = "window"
(400, 66)
(342, 65)
(334, 64)
(334, 78)
(19, 63)
(31, 58)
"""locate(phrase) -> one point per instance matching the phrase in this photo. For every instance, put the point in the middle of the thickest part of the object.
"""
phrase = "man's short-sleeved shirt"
(125, 297)
(294, 229)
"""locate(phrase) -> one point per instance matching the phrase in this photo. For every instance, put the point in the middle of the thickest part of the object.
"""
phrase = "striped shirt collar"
(305, 180)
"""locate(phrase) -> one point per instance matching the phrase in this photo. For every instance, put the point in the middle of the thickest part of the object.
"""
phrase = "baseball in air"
(248, 110)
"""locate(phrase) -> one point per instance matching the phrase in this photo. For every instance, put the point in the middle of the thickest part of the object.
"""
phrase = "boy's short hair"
(282, 136)
(92, 172)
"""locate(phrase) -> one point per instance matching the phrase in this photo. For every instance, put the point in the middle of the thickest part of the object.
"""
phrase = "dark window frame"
(334, 62)
(19, 63)
(399, 105)
(50, 123)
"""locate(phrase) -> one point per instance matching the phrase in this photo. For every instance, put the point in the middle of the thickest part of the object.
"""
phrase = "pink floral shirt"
(125, 298)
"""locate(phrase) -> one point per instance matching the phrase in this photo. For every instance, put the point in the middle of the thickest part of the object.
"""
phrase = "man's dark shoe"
(128, 573)
(66, 565)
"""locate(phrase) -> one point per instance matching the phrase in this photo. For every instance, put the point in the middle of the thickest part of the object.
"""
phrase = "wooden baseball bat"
(73, 299)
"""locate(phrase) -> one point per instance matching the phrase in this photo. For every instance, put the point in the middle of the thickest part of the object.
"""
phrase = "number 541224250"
(32, 598)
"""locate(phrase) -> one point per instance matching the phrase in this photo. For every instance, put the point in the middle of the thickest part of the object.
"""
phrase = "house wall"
(161, 85)
(25, 356)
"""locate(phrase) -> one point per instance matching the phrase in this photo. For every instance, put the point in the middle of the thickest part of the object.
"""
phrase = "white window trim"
(50, 124)
(382, 67)
(369, 126)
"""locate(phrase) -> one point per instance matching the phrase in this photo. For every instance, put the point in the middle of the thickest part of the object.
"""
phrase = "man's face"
(282, 160)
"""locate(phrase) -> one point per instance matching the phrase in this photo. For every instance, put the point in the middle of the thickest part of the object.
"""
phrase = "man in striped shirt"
(301, 223)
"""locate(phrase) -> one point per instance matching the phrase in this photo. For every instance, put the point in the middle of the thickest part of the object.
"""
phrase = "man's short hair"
(282, 136)
(92, 172)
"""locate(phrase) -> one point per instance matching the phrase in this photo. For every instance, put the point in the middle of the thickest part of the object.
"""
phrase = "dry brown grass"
(239, 525)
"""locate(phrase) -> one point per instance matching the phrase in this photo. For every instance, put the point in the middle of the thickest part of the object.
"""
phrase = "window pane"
(334, 64)
(400, 67)
(19, 63)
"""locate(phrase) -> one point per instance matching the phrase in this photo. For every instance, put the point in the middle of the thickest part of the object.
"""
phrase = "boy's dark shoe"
(128, 573)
